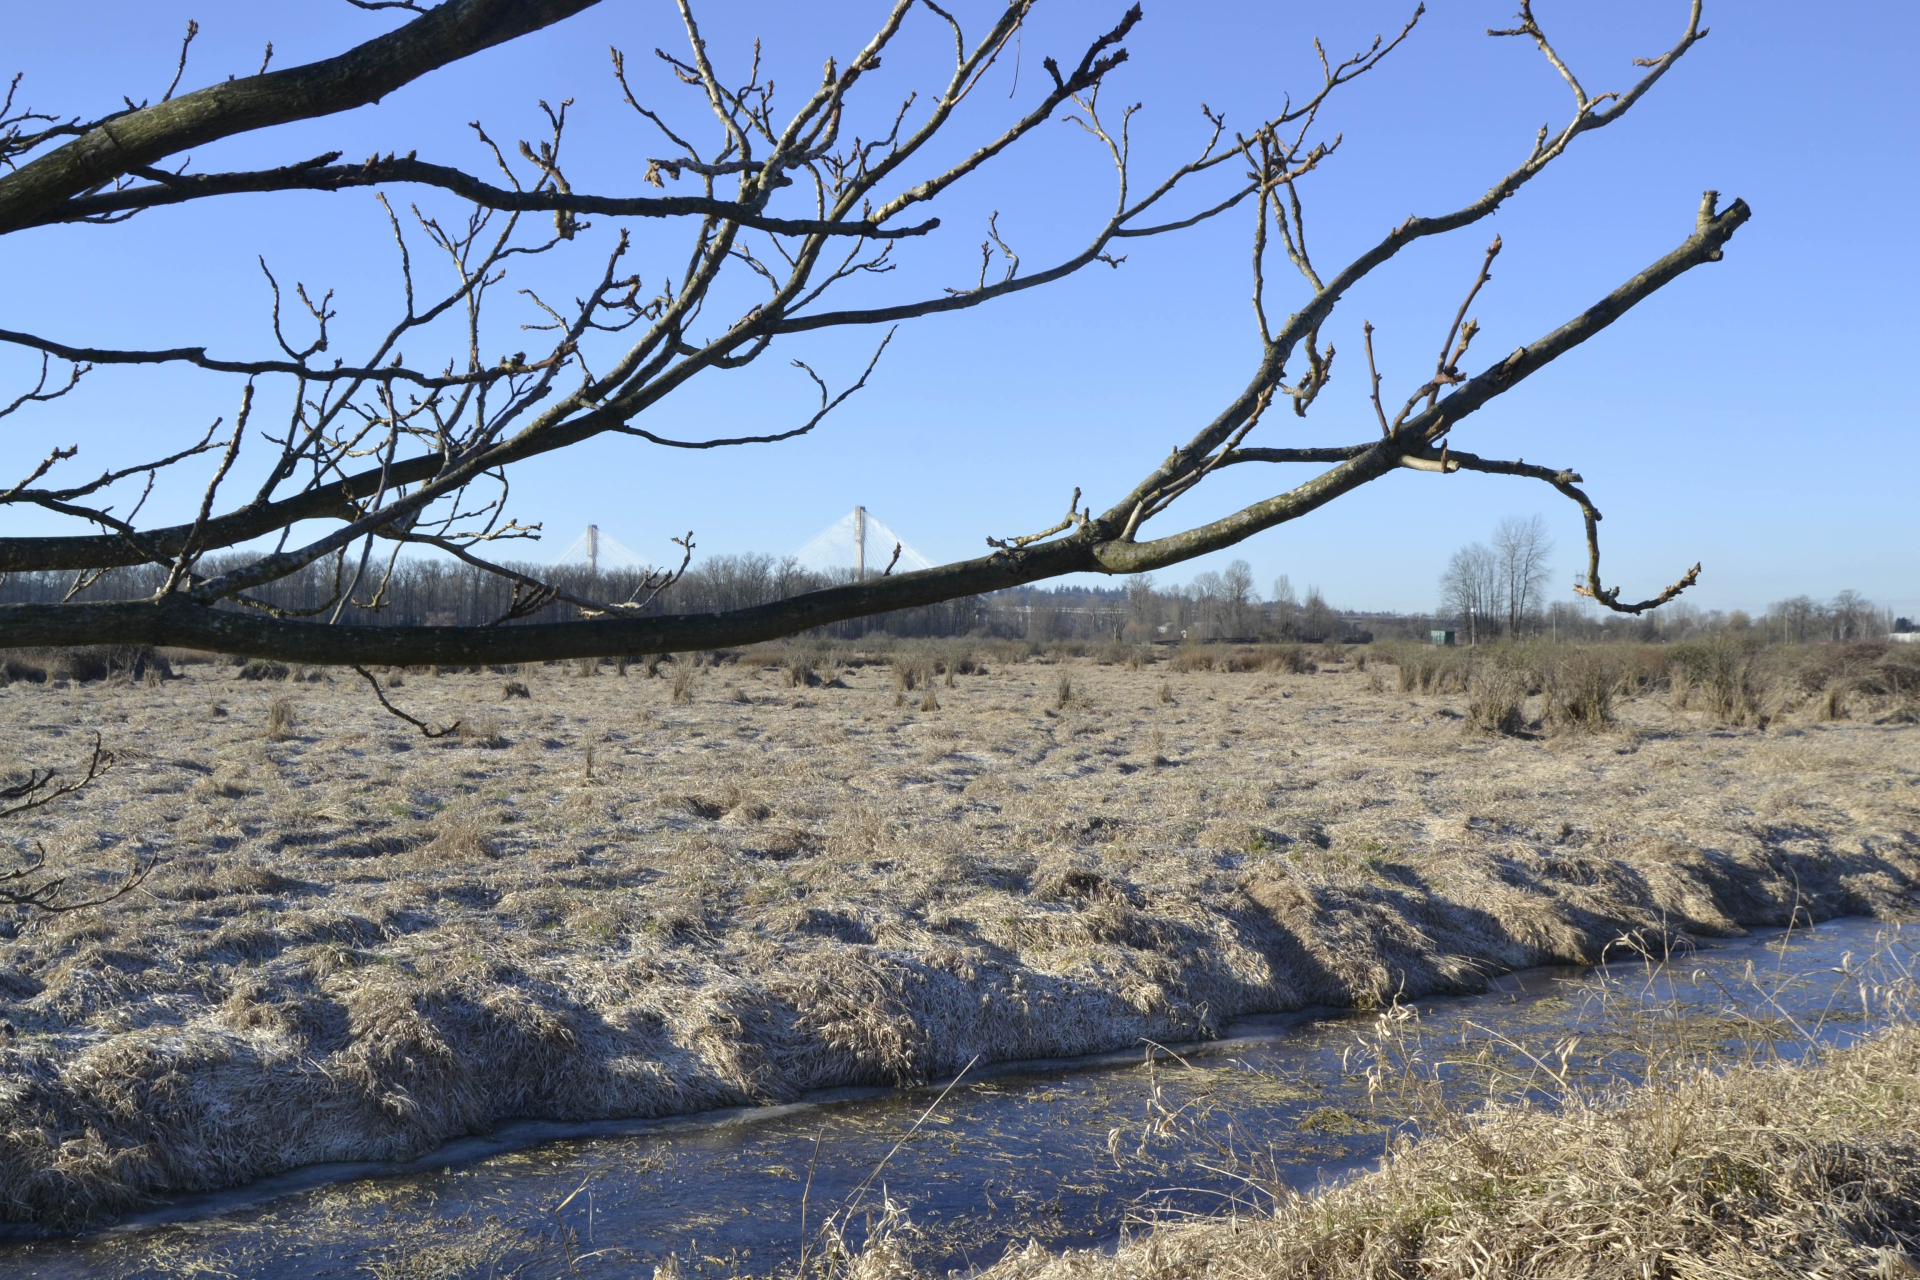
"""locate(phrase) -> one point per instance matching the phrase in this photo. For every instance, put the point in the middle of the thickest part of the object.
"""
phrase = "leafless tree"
(1318, 620)
(1522, 547)
(382, 452)
(1471, 590)
(1238, 599)
(1286, 606)
(1855, 616)
(1799, 618)
(1143, 606)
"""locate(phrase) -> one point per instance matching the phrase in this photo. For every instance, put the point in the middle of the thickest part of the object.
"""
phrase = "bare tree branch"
(794, 205)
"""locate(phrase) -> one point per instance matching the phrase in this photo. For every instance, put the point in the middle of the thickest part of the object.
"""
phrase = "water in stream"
(1066, 1153)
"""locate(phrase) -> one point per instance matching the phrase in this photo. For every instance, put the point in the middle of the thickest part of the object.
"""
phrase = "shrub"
(1723, 674)
(262, 669)
(910, 672)
(1580, 691)
(1291, 658)
(1186, 661)
(800, 671)
(1429, 670)
(15, 669)
(514, 689)
(1496, 697)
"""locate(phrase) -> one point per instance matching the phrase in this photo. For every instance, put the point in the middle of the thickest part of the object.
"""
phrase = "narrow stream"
(1066, 1153)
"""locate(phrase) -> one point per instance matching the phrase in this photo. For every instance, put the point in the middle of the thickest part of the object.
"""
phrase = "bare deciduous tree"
(1286, 608)
(1470, 590)
(381, 453)
(1522, 546)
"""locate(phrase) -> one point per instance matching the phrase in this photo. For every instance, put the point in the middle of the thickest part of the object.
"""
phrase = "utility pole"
(860, 544)
(593, 550)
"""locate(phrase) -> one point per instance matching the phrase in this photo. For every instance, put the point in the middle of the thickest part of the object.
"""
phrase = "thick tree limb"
(365, 74)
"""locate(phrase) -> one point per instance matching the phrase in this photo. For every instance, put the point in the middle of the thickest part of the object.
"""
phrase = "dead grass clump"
(959, 660)
(928, 702)
(1724, 676)
(801, 673)
(88, 663)
(1496, 700)
(856, 831)
(1165, 693)
(280, 718)
(262, 669)
(683, 678)
(1832, 704)
(1185, 661)
(1763, 1171)
(483, 732)
(514, 689)
(1290, 658)
(1580, 692)
(697, 806)
(1871, 679)
(1432, 670)
(13, 669)
(461, 837)
(910, 671)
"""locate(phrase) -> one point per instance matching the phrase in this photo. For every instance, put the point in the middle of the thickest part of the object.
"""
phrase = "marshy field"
(664, 886)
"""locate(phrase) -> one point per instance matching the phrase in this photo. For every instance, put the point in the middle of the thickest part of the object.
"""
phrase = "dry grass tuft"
(1759, 1173)
(1725, 676)
(514, 689)
(461, 837)
(1291, 658)
(280, 718)
(1186, 661)
(1496, 700)
(683, 679)
(1580, 692)
(484, 732)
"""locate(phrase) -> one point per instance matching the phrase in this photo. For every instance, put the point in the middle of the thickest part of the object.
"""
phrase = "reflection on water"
(1063, 1153)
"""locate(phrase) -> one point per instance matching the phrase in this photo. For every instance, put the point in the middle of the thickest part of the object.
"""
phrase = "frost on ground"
(603, 898)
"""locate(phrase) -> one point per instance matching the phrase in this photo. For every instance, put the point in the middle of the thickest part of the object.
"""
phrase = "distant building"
(1440, 637)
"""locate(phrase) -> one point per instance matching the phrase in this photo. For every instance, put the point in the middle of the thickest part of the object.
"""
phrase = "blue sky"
(1753, 416)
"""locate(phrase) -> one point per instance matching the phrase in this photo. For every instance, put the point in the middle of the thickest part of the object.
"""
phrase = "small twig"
(421, 725)
(193, 29)
(33, 793)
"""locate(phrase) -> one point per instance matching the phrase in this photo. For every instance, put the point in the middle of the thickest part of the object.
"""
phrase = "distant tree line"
(1488, 592)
